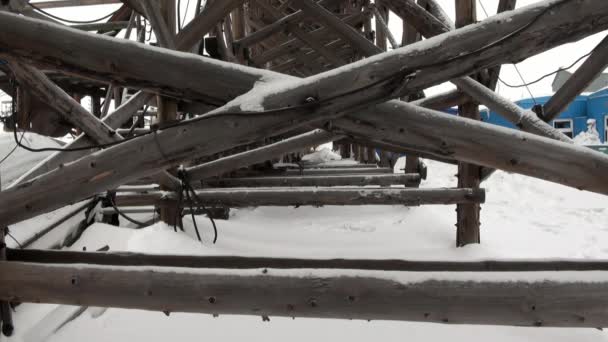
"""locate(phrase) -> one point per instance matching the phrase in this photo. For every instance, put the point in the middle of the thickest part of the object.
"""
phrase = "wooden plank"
(162, 30)
(327, 181)
(544, 302)
(249, 197)
(103, 27)
(340, 171)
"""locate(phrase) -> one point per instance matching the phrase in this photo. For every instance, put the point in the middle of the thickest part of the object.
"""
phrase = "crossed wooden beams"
(279, 103)
(354, 101)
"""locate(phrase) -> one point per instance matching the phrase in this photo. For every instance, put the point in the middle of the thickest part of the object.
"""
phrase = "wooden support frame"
(408, 180)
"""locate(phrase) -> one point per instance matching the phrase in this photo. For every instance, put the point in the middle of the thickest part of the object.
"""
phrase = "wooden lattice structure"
(246, 83)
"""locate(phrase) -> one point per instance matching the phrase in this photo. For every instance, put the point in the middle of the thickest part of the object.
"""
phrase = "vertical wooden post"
(6, 318)
(467, 215)
(167, 108)
(410, 35)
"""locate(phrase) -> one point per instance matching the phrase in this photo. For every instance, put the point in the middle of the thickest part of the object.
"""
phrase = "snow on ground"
(522, 218)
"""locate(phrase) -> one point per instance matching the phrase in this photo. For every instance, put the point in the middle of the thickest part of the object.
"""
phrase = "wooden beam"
(418, 16)
(114, 120)
(516, 300)
(194, 140)
(204, 23)
(260, 154)
(593, 66)
(162, 29)
(372, 170)
(296, 44)
(327, 181)
(525, 120)
(248, 197)
(73, 3)
(443, 101)
(103, 27)
(63, 103)
(302, 35)
(494, 73)
(349, 34)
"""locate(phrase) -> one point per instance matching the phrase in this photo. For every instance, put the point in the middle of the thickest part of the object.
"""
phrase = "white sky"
(531, 68)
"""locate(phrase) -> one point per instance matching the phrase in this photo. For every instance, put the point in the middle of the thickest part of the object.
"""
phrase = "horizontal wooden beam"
(72, 3)
(104, 27)
(373, 170)
(330, 180)
(243, 197)
(514, 299)
(45, 256)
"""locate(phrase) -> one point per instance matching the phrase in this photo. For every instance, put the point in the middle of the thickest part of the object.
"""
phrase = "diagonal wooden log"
(296, 44)
(409, 179)
(493, 73)
(64, 104)
(551, 299)
(526, 120)
(347, 32)
(576, 84)
(418, 16)
(163, 33)
(273, 28)
(298, 196)
(535, 157)
(330, 56)
(260, 154)
(204, 23)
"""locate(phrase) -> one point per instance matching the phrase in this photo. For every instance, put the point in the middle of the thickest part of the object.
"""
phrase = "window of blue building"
(6, 108)
(565, 126)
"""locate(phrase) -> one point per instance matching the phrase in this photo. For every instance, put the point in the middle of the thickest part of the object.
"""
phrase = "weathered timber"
(162, 30)
(182, 78)
(260, 154)
(576, 84)
(525, 120)
(419, 17)
(39, 234)
(302, 35)
(381, 19)
(244, 197)
(204, 22)
(347, 32)
(368, 295)
(494, 72)
(72, 3)
(65, 105)
(103, 27)
(45, 256)
(405, 125)
(559, 28)
(329, 180)
(114, 120)
(293, 45)
(340, 171)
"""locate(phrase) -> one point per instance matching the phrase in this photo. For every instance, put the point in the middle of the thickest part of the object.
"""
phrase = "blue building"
(573, 120)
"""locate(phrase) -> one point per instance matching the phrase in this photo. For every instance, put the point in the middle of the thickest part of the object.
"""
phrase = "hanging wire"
(483, 8)
(8, 233)
(38, 9)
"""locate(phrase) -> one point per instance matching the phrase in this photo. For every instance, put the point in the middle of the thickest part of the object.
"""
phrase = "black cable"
(546, 75)
(119, 212)
(8, 233)
(183, 176)
(38, 9)
(189, 199)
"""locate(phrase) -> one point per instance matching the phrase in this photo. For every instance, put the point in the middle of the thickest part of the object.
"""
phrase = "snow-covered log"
(411, 179)
(550, 299)
(246, 197)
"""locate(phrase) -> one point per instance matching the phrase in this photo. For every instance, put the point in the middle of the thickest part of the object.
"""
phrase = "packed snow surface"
(522, 218)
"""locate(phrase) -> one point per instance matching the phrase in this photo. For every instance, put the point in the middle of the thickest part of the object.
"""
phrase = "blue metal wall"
(597, 108)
